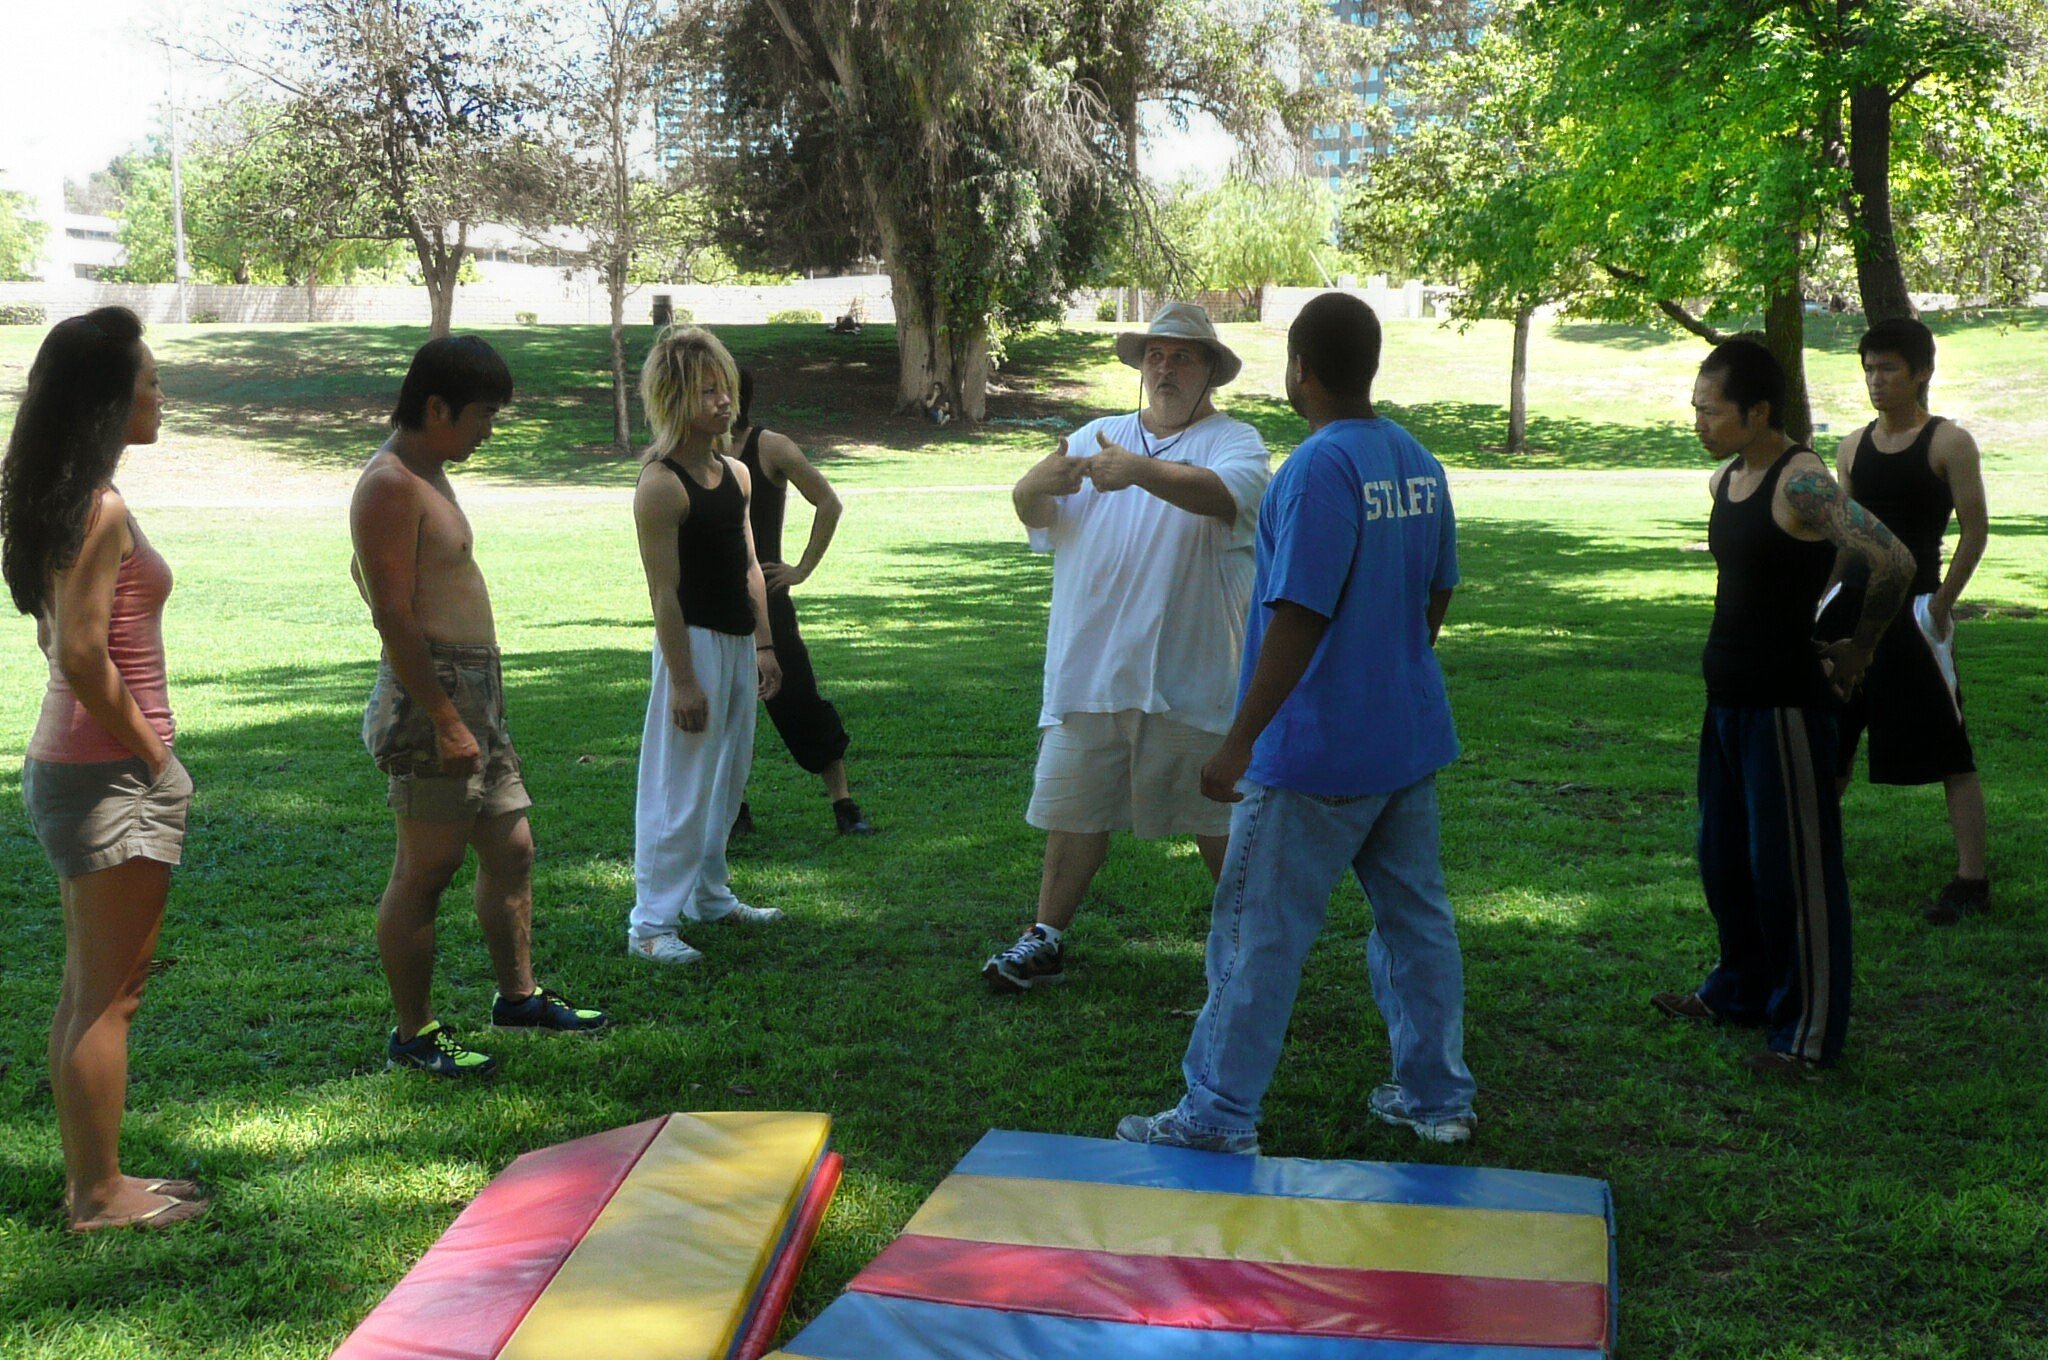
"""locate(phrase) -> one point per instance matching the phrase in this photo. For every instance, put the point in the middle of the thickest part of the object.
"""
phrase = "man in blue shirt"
(1342, 723)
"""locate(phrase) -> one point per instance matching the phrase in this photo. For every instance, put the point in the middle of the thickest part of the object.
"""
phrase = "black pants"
(805, 719)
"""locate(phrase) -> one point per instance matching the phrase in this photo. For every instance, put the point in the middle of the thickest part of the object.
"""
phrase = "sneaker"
(1784, 1066)
(662, 949)
(752, 916)
(545, 1010)
(1025, 964)
(1386, 1105)
(847, 817)
(1166, 1129)
(1962, 897)
(742, 825)
(435, 1050)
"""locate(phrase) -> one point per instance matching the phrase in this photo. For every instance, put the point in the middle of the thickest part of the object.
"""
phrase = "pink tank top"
(65, 733)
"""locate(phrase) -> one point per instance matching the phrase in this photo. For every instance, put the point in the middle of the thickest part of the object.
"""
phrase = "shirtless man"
(436, 719)
(1912, 469)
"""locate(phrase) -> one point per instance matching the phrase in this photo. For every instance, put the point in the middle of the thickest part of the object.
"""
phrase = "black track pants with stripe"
(1770, 850)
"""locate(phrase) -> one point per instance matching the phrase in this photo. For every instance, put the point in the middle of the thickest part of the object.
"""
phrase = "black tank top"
(711, 550)
(1902, 490)
(765, 510)
(1760, 648)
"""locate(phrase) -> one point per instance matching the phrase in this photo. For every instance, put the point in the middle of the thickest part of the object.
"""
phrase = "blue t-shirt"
(1357, 526)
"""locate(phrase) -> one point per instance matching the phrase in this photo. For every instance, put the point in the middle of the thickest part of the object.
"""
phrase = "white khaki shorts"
(1134, 771)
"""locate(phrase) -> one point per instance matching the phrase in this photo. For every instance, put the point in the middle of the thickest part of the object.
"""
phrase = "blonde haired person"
(712, 650)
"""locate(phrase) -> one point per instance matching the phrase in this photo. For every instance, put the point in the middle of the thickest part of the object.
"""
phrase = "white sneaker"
(662, 949)
(752, 916)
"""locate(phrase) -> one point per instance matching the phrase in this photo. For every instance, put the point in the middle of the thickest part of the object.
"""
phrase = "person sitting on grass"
(435, 722)
(106, 794)
(805, 720)
(713, 653)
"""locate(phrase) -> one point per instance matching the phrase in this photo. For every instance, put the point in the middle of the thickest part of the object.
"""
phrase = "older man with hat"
(1151, 519)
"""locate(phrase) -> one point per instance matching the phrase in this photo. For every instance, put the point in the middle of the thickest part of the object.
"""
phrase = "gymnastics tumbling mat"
(1040, 1247)
(675, 1239)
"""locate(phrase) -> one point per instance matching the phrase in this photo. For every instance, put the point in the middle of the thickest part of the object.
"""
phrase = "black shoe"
(435, 1050)
(545, 1010)
(1035, 958)
(743, 825)
(1962, 897)
(846, 814)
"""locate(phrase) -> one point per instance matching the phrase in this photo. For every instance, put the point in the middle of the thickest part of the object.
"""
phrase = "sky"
(83, 80)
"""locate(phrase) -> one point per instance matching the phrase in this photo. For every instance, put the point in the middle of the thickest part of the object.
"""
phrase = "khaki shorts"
(96, 815)
(1129, 770)
(400, 738)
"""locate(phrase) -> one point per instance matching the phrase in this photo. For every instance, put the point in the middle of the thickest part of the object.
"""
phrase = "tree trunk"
(930, 350)
(1518, 383)
(1785, 337)
(440, 265)
(622, 415)
(1880, 276)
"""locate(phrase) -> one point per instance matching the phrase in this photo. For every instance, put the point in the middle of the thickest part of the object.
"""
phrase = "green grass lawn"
(1899, 1209)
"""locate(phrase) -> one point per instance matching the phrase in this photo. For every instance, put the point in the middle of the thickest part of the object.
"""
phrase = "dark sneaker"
(743, 825)
(1783, 1066)
(1166, 1129)
(846, 816)
(1962, 897)
(1386, 1103)
(545, 1010)
(435, 1050)
(1032, 960)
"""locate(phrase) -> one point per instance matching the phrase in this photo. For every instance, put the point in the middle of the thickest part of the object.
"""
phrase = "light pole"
(182, 268)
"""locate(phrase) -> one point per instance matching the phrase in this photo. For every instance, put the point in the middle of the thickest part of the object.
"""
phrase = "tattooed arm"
(1821, 508)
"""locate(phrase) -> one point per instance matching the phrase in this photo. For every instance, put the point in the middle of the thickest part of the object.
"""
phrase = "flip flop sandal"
(170, 1212)
(176, 1189)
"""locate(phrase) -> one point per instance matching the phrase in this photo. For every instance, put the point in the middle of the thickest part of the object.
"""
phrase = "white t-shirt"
(1149, 600)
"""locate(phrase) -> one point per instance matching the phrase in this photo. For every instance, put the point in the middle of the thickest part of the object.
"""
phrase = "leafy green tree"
(1247, 234)
(406, 112)
(1462, 199)
(21, 236)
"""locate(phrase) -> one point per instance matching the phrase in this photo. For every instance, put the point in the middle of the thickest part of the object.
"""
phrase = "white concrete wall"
(551, 299)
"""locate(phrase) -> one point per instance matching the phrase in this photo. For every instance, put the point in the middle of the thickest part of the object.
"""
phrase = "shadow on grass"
(1567, 838)
(1468, 435)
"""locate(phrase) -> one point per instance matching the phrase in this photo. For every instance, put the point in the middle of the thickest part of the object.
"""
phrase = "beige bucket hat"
(1180, 321)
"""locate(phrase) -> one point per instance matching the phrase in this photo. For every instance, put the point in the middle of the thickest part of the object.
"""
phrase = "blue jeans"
(1287, 851)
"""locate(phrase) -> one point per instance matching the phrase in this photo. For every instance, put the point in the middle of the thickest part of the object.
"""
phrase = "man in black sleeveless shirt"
(1911, 469)
(1770, 836)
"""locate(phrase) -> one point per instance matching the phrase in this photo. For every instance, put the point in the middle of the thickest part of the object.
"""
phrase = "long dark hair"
(68, 435)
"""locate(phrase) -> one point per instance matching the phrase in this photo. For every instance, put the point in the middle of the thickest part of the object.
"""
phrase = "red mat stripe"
(1239, 1296)
(476, 1284)
(789, 1265)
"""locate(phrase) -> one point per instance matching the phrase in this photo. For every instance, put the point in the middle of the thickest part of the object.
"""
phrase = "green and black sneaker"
(435, 1050)
(545, 1010)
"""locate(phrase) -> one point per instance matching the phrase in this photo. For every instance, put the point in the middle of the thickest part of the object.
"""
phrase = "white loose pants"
(691, 784)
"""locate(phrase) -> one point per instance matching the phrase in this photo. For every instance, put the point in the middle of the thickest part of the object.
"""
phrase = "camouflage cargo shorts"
(400, 738)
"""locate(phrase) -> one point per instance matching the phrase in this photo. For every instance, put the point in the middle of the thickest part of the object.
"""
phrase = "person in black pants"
(1770, 835)
(806, 720)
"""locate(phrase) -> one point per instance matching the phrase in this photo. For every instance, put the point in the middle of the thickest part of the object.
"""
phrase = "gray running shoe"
(1386, 1105)
(1166, 1129)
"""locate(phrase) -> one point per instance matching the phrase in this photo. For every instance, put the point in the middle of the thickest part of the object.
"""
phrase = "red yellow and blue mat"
(679, 1238)
(1057, 1248)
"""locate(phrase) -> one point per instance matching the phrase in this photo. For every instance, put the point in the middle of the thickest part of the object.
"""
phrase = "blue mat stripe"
(1059, 1157)
(872, 1327)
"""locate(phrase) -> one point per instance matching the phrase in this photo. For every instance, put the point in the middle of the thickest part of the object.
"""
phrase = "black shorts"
(1910, 702)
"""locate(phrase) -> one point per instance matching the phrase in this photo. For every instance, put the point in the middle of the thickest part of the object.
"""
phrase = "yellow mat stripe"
(1137, 1221)
(667, 1270)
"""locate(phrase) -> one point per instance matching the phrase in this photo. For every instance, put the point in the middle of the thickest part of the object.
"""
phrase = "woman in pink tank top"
(106, 795)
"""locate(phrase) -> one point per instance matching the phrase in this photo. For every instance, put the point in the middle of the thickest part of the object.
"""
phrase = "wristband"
(764, 646)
